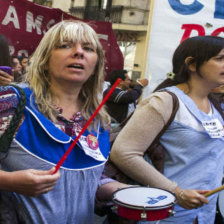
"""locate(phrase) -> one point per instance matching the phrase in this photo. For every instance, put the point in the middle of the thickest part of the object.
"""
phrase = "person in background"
(24, 60)
(17, 69)
(64, 81)
(122, 101)
(5, 78)
(193, 143)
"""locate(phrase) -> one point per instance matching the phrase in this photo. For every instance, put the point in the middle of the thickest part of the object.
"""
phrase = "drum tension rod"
(114, 208)
(171, 212)
(144, 215)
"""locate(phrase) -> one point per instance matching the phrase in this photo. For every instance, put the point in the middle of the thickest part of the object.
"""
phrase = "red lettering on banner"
(200, 29)
(218, 31)
(189, 28)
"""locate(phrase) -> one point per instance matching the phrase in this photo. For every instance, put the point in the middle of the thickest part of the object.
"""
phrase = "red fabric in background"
(24, 24)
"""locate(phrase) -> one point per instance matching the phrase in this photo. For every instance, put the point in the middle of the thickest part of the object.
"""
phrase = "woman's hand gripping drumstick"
(190, 199)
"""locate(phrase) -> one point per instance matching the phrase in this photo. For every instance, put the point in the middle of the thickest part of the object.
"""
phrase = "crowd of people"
(63, 80)
(17, 63)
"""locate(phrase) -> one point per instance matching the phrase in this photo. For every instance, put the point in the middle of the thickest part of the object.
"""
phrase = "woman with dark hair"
(193, 143)
(5, 78)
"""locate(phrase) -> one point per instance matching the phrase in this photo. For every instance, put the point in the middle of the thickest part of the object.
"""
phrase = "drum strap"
(7, 137)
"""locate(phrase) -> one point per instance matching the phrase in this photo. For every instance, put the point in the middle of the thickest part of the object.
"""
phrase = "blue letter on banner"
(219, 9)
(186, 9)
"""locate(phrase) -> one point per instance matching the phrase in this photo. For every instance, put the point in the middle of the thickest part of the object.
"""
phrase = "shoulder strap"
(175, 108)
(7, 137)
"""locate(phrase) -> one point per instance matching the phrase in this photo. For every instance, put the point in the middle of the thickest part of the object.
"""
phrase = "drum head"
(144, 197)
(221, 203)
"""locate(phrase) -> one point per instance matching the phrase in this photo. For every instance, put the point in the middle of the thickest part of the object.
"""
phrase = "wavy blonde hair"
(39, 80)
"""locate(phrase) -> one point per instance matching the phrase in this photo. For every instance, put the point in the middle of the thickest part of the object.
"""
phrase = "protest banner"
(173, 21)
(24, 23)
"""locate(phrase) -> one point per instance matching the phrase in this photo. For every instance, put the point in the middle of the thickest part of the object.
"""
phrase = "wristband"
(181, 195)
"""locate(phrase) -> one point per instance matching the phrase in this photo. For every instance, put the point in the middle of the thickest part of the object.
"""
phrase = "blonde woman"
(65, 78)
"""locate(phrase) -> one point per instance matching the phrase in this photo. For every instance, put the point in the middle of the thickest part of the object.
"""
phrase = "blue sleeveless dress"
(39, 144)
(193, 159)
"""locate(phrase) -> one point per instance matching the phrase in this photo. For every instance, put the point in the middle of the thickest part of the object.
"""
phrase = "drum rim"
(116, 201)
(218, 204)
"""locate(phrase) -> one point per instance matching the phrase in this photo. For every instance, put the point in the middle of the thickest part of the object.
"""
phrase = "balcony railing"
(95, 13)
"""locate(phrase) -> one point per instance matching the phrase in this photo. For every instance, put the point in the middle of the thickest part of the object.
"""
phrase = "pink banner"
(24, 24)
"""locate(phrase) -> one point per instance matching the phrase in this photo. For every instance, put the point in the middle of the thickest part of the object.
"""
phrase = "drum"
(144, 203)
(220, 209)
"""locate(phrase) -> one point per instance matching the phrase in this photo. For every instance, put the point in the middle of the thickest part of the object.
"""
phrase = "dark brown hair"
(4, 52)
(200, 49)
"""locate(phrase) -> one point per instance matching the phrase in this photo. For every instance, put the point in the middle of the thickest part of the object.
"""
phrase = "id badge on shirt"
(214, 128)
(91, 148)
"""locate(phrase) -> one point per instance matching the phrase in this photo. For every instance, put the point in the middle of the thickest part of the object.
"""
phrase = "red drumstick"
(64, 157)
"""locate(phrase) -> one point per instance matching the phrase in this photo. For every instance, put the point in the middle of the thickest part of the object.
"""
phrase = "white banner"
(172, 22)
